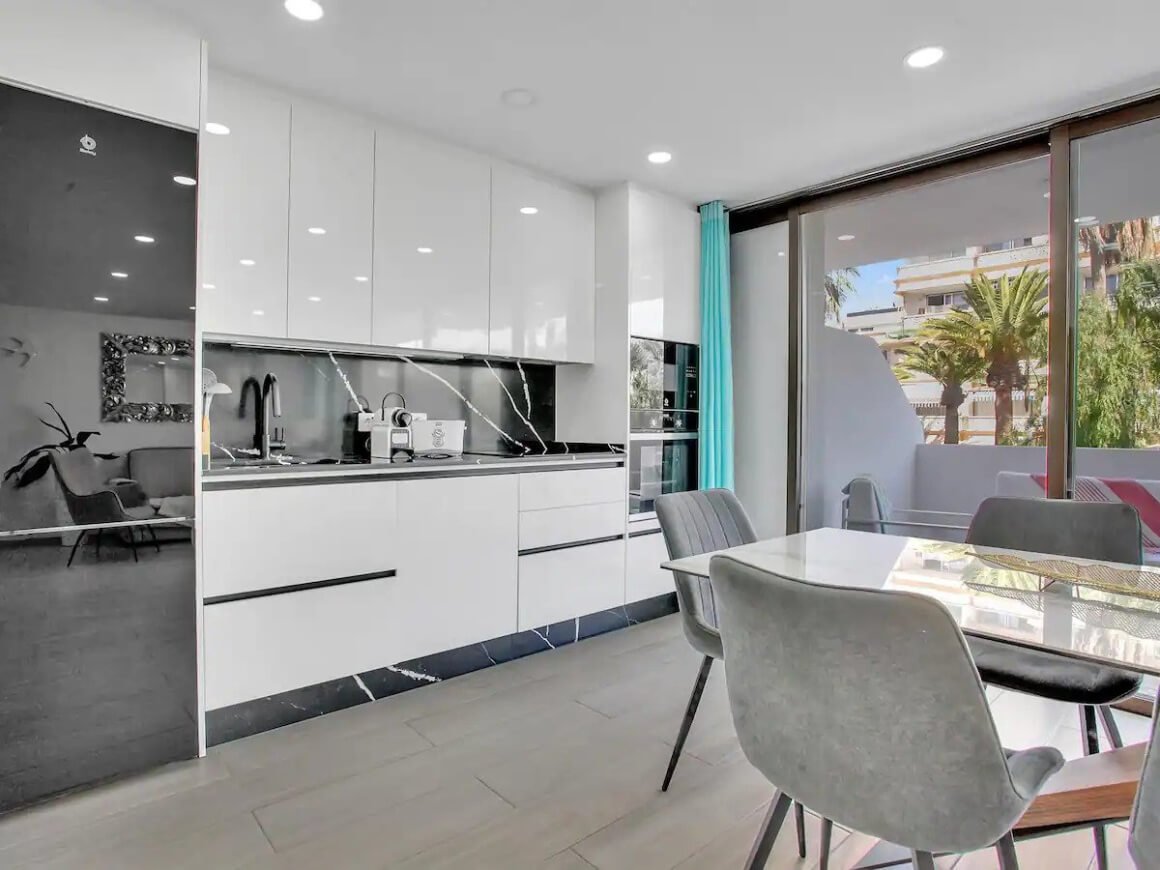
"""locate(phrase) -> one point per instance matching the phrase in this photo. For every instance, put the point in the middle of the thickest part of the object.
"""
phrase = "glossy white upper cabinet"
(664, 268)
(332, 177)
(432, 236)
(244, 181)
(543, 263)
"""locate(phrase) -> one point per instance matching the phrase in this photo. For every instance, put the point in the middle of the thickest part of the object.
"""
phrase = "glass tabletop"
(1095, 611)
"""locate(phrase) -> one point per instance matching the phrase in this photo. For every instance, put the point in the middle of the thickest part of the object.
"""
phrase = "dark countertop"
(467, 464)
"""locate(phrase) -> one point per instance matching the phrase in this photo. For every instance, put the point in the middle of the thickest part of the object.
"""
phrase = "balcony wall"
(957, 477)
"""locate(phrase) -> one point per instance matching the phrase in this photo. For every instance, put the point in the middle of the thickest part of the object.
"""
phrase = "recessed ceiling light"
(185, 180)
(424, 250)
(175, 359)
(304, 10)
(660, 157)
(193, 308)
(846, 237)
(313, 298)
(246, 262)
(100, 298)
(258, 312)
(217, 129)
(529, 209)
(781, 253)
(518, 98)
(1087, 221)
(926, 56)
(1047, 195)
(119, 274)
(316, 231)
(160, 362)
(209, 286)
(361, 278)
(145, 240)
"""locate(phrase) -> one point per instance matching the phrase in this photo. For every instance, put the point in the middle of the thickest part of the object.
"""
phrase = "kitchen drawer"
(280, 536)
(644, 577)
(262, 646)
(562, 584)
(553, 489)
(549, 526)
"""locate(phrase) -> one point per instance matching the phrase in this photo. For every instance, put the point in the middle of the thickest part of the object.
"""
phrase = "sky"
(874, 286)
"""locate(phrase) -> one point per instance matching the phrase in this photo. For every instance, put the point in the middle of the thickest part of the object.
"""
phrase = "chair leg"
(153, 535)
(687, 722)
(1091, 746)
(1008, 860)
(827, 836)
(774, 819)
(922, 860)
(133, 542)
(100, 535)
(73, 552)
(799, 818)
(1111, 728)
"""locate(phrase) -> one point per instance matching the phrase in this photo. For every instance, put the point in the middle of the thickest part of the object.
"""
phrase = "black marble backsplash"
(509, 407)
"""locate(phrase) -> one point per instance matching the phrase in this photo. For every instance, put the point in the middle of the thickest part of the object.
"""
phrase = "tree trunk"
(951, 425)
(1095, 246)
(1004, 411)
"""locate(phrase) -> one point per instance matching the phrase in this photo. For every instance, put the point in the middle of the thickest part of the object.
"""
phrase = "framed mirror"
(146, 379)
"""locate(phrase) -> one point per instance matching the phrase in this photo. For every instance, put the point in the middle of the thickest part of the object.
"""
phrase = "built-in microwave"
(663, 392)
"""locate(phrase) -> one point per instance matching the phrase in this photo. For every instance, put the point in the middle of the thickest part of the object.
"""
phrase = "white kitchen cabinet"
(272, 537)
(332, 158)
(664, 267)
(432, 245)
(643, 576)
(563, 584)
(244, 195)
(459, 540)
(557, 489)
(543, 262)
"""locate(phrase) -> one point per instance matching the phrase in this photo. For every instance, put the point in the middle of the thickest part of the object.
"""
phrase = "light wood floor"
(552, 761)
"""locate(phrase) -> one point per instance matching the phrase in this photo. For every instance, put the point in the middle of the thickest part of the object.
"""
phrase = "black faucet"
(267, 399)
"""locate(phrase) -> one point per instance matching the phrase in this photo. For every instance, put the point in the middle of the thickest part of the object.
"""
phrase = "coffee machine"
(391, 436)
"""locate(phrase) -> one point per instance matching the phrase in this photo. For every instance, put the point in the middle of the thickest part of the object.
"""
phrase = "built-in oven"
(663, 403)
(659, 464)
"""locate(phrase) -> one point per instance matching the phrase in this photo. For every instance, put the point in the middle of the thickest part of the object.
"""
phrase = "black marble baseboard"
(264, 714)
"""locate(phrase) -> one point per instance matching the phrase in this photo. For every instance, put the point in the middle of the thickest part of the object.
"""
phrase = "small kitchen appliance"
(391, 436)
(437, 439)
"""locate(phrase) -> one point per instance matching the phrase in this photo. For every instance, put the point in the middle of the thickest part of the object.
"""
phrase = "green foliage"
(839, 286)
(1117, 389)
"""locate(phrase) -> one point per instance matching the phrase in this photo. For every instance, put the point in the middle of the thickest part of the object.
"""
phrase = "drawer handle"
(570, 544)
(297, 587)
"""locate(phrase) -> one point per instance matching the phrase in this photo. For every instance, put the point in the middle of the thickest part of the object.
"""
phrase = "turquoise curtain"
(716, 375)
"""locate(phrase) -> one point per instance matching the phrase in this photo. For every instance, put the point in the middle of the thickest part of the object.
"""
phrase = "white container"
(438, 436)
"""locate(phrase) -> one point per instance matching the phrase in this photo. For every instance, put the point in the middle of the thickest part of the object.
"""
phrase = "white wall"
(115, 53)
(956, 477)
(861, 423)
(760, 293)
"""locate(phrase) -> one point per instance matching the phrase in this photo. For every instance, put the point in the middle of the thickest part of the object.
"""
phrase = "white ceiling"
(753, 97)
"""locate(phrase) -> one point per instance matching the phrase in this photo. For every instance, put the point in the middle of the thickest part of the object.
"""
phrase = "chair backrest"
(1084, 530)
(865, 706)
(866, 507)
(1144, 830)
(77, 471)
(694, 523)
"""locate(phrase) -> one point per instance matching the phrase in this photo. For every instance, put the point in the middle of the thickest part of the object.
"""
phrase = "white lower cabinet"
(644, 577)
(263, 646)
(280, 536)
(562, 584)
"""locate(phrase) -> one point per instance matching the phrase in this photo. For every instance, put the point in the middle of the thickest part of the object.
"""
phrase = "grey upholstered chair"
(694, 523)
(92, 500)
(1144, 830)
(1086, 530)
(865, 706)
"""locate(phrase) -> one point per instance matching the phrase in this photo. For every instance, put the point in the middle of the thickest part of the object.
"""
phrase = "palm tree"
(1003, 327)
(839, 285)
(1108, 245)
(952, 366)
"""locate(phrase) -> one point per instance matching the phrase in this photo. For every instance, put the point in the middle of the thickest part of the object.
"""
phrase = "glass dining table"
(1095, 611)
